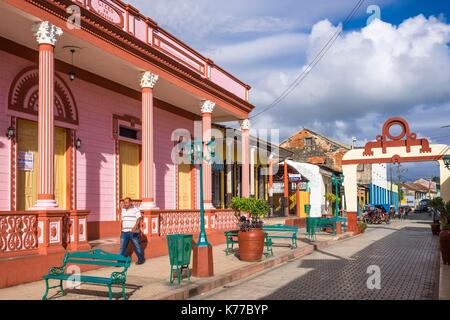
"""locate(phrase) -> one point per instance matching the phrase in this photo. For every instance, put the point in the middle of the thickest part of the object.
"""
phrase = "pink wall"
(165, 124)
(9, 67)
(95, 161)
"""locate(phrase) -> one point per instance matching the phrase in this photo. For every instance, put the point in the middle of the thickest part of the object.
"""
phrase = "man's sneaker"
(140, 262)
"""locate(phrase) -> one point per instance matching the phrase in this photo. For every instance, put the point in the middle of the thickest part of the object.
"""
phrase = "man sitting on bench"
(131, 221)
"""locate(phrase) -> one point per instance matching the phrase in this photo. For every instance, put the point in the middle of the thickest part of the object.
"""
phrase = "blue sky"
(397, 66)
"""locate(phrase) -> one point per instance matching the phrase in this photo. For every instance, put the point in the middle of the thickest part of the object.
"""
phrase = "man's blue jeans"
(135, 238)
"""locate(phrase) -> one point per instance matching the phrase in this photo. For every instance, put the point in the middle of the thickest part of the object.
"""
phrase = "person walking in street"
(131, 221)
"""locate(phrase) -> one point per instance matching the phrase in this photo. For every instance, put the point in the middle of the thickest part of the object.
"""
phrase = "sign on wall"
(278, 187)
(25, 160)
(295, 177)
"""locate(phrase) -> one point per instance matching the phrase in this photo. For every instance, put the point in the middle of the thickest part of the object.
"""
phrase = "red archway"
(391, 147)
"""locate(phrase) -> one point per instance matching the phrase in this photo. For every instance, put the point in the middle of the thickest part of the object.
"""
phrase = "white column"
(207, 108)
(445, 181)
(245, 129)
(147, 82)
(46, 34)
(252, 171)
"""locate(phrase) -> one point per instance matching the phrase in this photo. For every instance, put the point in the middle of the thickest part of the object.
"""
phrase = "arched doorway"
(395, 145)
(23, 109)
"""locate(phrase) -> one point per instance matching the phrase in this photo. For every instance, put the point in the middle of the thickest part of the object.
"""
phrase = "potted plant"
(251, 235)
(362, 226)
(444, 236)
(436, 204)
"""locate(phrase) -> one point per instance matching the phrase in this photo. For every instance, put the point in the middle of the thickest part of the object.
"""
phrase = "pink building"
(91, 92)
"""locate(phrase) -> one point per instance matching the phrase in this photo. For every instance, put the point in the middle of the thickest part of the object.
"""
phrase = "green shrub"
(257, 208)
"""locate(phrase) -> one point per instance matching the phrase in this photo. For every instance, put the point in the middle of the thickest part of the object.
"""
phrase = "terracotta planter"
(435, 228)
(444, 241)
(251, 245)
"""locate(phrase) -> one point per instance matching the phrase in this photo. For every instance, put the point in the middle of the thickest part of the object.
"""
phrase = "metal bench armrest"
(119, 277)
(55, 271)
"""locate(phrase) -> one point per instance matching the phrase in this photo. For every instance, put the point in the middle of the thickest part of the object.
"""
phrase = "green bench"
(232, 239)
(94, 257)
(314, 224)
(290, 232)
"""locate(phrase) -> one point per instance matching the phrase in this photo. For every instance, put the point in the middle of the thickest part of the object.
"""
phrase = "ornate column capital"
(207, 106)
(245, 124)
(148, 80)
(46, 33)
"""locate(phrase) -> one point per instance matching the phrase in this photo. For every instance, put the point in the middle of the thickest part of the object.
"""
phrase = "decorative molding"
(404, 139)
(24, 92)
(207, 106)
(148, 80)
(13, 166)
(245, 124)
(92, 23)
(46, 33)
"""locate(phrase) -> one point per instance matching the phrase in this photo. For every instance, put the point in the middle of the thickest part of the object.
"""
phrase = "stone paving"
(149, 281)
(406, 253)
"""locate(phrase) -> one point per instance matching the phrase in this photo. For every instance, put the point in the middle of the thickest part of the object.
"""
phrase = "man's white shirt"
(129, 218)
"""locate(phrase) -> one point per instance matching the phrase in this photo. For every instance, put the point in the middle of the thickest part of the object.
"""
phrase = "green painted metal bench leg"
(109, 292)
(62, 288)
(124, 294)
(171, 275)
(44, 297)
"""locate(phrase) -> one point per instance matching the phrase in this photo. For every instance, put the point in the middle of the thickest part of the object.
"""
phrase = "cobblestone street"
(406, 253)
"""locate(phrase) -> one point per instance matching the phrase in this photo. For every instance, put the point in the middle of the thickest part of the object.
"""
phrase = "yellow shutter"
(60, 167)
(304, 199)
(27, 180)
(129, 170)
(184, 187)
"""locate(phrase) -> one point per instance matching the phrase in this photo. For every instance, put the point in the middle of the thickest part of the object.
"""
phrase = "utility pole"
(391, 199)
(399, 183)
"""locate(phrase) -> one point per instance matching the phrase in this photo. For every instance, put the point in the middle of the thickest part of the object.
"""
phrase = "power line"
(299, 79)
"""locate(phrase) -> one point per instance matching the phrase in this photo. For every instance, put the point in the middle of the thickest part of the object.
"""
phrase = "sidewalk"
(151, 280)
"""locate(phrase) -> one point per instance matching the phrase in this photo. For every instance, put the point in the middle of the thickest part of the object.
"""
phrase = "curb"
(247, 271)
(444, 281)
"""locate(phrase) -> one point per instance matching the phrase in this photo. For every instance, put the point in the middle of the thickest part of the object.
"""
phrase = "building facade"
(378, 188)
(95, 99)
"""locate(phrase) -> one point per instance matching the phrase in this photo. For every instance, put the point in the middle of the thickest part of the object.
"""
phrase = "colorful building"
(378, 189)
(94, 98)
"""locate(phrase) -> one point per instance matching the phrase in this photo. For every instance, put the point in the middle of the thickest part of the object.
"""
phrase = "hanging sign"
(303, 186)
(293, 177)
(278, 187)
(25, 161)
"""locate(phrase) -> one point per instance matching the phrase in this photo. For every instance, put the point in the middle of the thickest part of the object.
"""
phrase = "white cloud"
(380, 70)
(261, 49)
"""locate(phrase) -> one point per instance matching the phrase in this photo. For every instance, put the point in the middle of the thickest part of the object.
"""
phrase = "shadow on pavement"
(408, 260)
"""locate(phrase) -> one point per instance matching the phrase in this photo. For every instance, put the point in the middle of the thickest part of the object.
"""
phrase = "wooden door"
(185, 187)
(60, 180)
(129, 170)
(27, 164)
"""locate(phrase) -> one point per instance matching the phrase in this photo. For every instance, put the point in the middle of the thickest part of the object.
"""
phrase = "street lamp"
(10, 133)
(198, 148)
(447, 161)
(337, 181)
